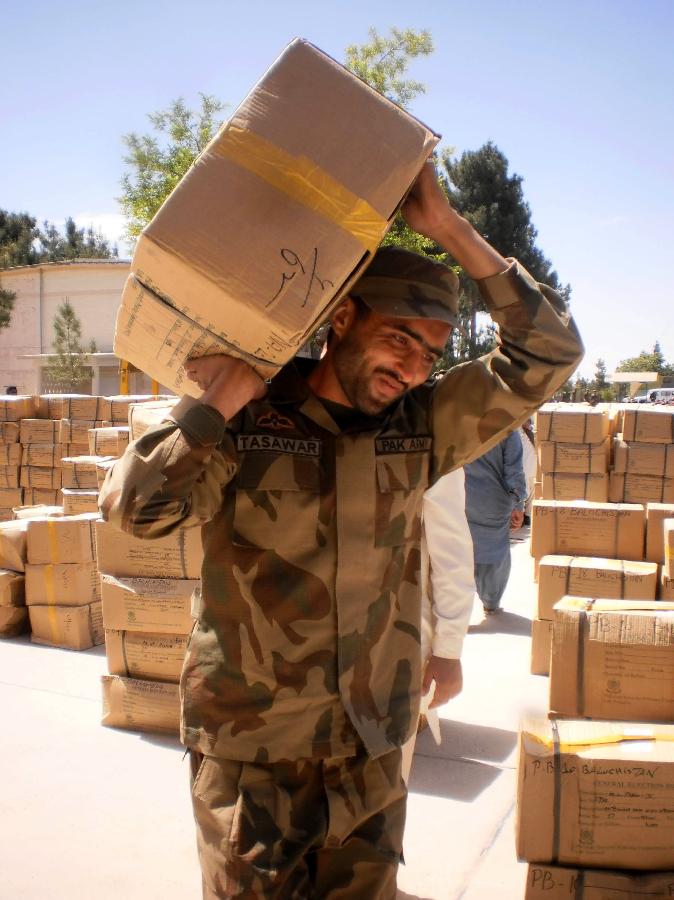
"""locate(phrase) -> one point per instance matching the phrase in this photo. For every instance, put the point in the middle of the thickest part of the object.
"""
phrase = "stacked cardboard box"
(146, 587)
(62, 583)
(10, 458)
(41, 461)
(573, 452)
(643, 457)
(13, 613)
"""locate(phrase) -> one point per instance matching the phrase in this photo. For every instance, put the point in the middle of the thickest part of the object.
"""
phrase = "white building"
(94, 288)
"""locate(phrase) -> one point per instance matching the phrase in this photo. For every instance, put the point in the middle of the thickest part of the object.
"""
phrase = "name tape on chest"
(403, 445)
(273, 443)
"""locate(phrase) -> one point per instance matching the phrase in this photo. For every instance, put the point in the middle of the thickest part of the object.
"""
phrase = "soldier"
(303, 674)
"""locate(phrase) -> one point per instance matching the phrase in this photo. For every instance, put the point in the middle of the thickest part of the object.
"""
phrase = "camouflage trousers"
(316, 828)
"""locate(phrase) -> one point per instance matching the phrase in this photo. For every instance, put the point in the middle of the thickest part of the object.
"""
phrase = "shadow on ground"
(466, 762)
(503, 623)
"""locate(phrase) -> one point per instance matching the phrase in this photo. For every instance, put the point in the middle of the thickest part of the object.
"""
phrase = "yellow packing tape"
(305, 182)
(53, 541)
(51, 603)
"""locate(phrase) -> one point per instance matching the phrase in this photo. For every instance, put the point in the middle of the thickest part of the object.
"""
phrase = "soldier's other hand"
(448, 677)
(427, 209)
(228, 383)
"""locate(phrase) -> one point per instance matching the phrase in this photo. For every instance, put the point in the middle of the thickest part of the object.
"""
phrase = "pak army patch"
(412, 444)
(273, 419)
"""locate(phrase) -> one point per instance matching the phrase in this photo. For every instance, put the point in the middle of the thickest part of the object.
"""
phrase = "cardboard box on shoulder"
(71, 627)
(648, 426)
(140, 705)
(581, 528)
(111, 441)
(12, 409)
(9, 476)
(572, 486)
(643, 459)
(11, 454)
(137, 654)
(613, 659)
(70, 539)
(47, 456)
(566, 883)
(148, 604)
(541, 646)
(325, 162)
(556, 456)
(668, 539)
(9, 432)
(40, 477)
(594, 577)
(590, 794)
(626, 488)
(178, 555)
(62, 584)
(76, 502)
(656, 513)
(571, 423)
(39, 431)
(13, 545)
(79, 472)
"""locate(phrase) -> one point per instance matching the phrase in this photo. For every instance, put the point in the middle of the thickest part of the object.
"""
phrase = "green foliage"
(600, 380)
(157, 162)
(67, 369)
(18, 234)
(383, 62)
(647, 362)
(6, 307)
(22, 243)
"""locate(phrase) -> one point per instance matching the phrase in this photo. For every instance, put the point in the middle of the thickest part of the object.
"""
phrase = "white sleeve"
(450, 548)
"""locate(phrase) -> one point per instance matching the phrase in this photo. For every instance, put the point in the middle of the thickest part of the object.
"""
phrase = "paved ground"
(88, 812)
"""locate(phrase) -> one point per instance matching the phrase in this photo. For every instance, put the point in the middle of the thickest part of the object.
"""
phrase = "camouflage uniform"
(307, 645)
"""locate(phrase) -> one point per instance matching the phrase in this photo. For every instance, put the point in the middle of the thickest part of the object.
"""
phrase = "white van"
(657, 395)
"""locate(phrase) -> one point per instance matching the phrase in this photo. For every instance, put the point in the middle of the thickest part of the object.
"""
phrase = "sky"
(578, 95)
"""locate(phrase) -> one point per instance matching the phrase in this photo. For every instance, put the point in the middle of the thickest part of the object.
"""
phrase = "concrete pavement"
(87, 811)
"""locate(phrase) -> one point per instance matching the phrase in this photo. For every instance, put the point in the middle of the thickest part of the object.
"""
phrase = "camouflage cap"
(401, 283)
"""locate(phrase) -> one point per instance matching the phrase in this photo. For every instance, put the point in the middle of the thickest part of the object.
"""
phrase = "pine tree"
(6, 307)
(67, 368)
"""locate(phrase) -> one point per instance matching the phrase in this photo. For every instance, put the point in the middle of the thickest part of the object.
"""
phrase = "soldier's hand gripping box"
(279, 215)
(596, 794)
(613, 659)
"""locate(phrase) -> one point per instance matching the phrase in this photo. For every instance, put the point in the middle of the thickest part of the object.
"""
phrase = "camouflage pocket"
(402, 479)
(277, 502)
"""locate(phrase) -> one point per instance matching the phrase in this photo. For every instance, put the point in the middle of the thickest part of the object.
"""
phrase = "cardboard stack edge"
(595, 785)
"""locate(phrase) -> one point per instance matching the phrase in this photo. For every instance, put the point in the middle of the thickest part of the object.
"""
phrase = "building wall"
(94, 290)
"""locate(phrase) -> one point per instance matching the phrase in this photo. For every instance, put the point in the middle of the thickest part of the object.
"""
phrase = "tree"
(18, 236)
(647, 362)
(67, 369)
(481, 189)
(600, 381)
(383, 61)
(6, 307)
(75, 243)
(157, 163)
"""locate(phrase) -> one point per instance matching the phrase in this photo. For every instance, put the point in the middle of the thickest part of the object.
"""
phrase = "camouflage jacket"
(308, 636)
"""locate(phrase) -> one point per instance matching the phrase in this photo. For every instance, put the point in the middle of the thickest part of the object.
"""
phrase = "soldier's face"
(378, 358)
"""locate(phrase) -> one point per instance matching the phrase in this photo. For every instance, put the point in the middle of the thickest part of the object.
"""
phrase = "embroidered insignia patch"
(276, 444)
(274, 420)
(403, 445)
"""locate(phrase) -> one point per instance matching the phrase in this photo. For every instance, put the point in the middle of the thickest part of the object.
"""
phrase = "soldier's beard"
(355, 378)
